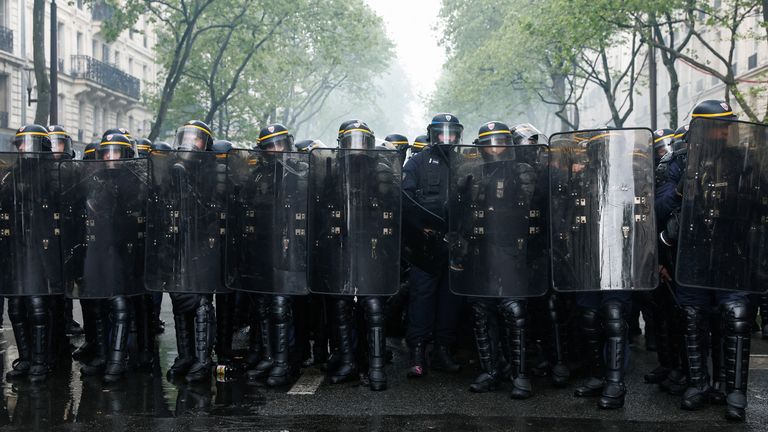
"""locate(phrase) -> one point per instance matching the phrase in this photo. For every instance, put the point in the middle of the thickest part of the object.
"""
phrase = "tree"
(42, 111)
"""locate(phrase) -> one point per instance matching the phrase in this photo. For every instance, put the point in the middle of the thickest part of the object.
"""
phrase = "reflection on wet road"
(147, 401)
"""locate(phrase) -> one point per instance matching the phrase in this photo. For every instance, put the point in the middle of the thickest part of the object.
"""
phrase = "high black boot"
(716, 394)
(662, 329)
(514, 315)
(347, 368)
(225, 309)
(117, 354)
(442, 359)
(41, 341)
(282, 317)
(696, 330)
(145, 332)
(377, 343)
(204, 333)
(487, 348)
(183, 323)
(616, 332)
(267, 362)
(737, 319)
(764, 315)
(98, 361)
(676, 381)
(594, 345)
(560, 371)
(18, 316)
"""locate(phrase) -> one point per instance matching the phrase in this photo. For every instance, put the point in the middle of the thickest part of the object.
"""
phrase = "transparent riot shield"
(102, 211)
(183, 239)
(603, 228)
(267, 222)
(354, 222)
(723, 238)
(30, 235)
(494, 252)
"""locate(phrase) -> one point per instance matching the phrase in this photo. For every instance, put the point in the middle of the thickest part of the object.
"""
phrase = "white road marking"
(308, 383)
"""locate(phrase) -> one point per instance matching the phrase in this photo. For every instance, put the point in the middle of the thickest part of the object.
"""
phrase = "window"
(61, 37)
(117, 59)
(95, 49)
(61, 110)
(79, 43)
(4, 94)
(735, 68)
(105, 53)
(130, 123)
(80, 4)
(80, 119)
(699, 85)
(752, 61)
(119, 119)
(714, 80)
(4, 13)
(146, 43)
(145, 73)
(130, 66)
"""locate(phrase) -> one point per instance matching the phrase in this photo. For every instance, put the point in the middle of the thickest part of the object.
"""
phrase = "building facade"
(750, 67)
(101, 84)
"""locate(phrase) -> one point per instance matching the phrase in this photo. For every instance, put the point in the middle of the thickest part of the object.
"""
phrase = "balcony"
(3, 119)
(101, 11)
(6, 39)
(112, 78)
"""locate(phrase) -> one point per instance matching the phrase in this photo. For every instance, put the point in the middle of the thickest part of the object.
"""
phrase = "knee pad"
(514, 311)
(614, 319)
(282, 312)
(737, 317)
(374, 311)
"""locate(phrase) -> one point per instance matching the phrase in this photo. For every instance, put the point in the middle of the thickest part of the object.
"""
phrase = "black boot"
(616, 331)
(117, 354)
(377, 343)
(145, 332)
(98, 361)
(41, 341)
(514, 315)
(417, 361)
(183, 323)
(267, 362)
(764, 315)
(204, 333)
(18, 317)
(594, 345)
(560, 371)
(224, 327)
(442, 359)
(487, 349)
(696, 330)
(737, 319)
(716, 394)
(347, 368)
(663, 346)
(282, 316)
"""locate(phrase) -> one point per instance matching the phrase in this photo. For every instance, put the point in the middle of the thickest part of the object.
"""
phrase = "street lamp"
(29, 72)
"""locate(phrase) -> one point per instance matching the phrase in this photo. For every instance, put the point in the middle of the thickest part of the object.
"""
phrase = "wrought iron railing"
(105, 74)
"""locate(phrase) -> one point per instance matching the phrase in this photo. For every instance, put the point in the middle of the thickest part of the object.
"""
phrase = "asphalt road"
(436, 402)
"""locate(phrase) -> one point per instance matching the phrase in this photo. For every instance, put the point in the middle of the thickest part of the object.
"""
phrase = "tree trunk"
(674, 90)
(38, 53)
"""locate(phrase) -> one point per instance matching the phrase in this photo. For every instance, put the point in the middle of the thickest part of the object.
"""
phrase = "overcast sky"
(409, 24)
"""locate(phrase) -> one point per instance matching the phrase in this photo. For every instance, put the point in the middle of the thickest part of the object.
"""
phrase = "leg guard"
(377, 342)
(594, 346)
(225, 308)
(696, 330)
(282, 320)
(487, 347)
(117, 354)
(343, 319)
(514, 316)
(737, 319)
(204, 334)
(615, 326)
(17, 313)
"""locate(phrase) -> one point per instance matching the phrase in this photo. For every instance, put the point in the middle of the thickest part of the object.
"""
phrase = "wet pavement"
(439, 401)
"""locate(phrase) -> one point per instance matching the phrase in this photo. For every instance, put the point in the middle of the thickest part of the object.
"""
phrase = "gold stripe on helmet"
(727, 113)
(273, 135)
(32, 133)
(115, 143)
(493, 132)
(356, 130)
(665, 137)
(191, 125)
(57, 133)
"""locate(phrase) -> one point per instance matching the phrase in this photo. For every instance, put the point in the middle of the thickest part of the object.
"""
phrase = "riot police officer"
(419, 143)
(31, 208)
(400, 142)
(433, 310)
(143, 147)
(731, 332)
(490, 261)
(193, 313)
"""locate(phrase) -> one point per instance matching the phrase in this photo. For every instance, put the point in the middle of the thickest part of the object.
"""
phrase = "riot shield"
(354, 222)
(186, 202)
(267, 222)
(603, 228)
(102, 211)
(723, 238)
(493, 250)
(30, 263)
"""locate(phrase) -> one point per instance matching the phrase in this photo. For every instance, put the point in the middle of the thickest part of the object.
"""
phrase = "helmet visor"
(60, 143)
(281, 143)
(30, 142)
(358, 139)
(191, 138)
(445, 133)
(498, 139)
